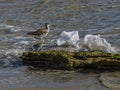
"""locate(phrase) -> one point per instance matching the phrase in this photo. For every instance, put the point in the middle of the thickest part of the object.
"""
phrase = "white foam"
(10, 27)
(70, 38)
(21, 40)
(24, 42)
(5, 26)
(13, 52)
(89, 42)
(95, 42)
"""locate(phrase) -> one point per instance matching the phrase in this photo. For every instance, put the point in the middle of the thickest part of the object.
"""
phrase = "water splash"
(11, 52)
(95, 42)
(10, 57)
(68, 38)
(89, 42)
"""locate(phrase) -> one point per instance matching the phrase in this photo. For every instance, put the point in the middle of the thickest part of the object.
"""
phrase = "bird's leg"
(40, 47)
(37, 45)
(32, 43)
(41, 41)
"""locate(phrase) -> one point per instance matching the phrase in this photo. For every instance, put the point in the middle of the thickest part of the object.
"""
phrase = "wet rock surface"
(64, 60)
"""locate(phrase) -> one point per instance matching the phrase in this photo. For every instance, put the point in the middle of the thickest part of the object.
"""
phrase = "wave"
(89, 42)
(9, 28)
(95, 42)
(10, 57)
(12, 52)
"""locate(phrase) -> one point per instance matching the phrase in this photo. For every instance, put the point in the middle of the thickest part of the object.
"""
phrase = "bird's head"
(47, 25)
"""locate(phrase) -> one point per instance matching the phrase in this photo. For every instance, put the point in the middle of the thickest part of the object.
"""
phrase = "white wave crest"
(68, 38)
(95, 42)
(89, 42)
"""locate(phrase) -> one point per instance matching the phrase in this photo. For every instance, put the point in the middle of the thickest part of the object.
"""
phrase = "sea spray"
(89, 42)
(95, 42)
(68, 38)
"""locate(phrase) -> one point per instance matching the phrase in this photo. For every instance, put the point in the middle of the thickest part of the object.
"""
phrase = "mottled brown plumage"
(41, 32)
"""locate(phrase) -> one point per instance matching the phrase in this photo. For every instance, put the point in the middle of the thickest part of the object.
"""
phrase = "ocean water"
(98, 18)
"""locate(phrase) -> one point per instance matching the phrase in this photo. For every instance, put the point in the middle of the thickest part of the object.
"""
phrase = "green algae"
(71, 60)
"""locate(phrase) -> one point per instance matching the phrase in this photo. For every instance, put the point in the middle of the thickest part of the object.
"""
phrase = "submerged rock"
(65, 60)
(111, 80)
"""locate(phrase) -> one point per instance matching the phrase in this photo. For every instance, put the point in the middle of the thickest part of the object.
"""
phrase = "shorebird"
(40, 33)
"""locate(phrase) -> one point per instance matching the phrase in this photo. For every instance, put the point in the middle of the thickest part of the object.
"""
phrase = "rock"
(110, 80)
(64, 60)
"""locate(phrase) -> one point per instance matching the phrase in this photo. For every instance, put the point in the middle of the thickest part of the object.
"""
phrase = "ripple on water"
(111, 79)
(87, 16)
(9, 28)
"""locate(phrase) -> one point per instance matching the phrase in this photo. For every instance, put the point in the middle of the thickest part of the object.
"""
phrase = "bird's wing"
(38, 32)
(42, 30)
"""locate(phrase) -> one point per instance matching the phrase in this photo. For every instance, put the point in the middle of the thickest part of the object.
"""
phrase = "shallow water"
(18, 17)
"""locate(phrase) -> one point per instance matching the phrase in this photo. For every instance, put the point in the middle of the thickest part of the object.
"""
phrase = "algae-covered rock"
(71, 60)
